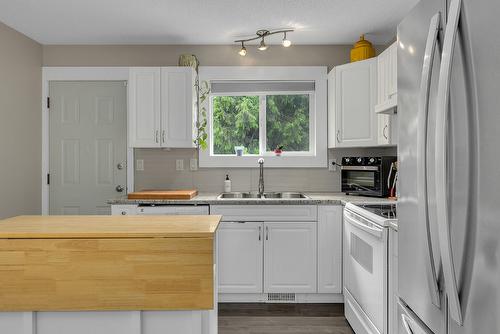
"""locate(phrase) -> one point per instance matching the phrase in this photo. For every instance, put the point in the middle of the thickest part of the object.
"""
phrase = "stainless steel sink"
(236, 195)
(255, 195)
(285, 195)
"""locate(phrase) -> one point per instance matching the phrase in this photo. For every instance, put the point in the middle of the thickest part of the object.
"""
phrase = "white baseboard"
(299, 298)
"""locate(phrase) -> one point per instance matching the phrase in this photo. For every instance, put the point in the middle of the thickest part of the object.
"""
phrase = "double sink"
(266, 195)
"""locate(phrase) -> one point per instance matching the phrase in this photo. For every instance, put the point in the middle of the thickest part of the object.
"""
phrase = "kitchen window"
(251, 114)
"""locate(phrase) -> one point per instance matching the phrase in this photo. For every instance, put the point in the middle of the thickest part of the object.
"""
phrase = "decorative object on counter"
(239, 150)
(189, 61)
(262, 34)
(392, 180)
(203, 90)
(278, 150)
(163, 194)
(227, 184)
(362, 50)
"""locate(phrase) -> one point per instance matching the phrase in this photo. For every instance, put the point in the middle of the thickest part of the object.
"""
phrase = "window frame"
(317, 154)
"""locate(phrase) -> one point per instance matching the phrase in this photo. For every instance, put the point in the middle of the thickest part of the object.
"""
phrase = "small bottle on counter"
(227, 184)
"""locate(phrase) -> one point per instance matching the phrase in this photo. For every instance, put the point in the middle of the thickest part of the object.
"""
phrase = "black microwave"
(366, 176)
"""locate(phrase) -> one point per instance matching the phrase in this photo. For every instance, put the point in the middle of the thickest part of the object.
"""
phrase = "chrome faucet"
(261, 177)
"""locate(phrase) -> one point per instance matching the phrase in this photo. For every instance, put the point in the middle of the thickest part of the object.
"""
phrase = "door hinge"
(48, 102)
(48, 179)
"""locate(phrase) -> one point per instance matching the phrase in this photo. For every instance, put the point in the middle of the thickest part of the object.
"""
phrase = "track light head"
(286, 42)
(262, 45)
(243, 50)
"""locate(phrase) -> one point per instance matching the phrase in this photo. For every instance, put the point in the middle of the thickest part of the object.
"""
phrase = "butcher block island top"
(84, 263)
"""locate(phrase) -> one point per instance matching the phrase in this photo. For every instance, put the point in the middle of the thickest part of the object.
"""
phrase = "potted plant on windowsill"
(278, 150)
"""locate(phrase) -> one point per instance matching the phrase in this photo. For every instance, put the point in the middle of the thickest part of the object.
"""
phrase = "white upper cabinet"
(162, 107)
(387, 92)
(178, 106)
(352, 95)
(144, 107)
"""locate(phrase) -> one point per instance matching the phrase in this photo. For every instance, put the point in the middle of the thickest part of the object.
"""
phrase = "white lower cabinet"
(329, 249)
(240, 257)
(393, 281)
(290, 257)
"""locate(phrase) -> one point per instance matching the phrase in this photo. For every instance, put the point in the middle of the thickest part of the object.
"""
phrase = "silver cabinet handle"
(384, 131)
(443, 97)
(422, 177)
(338, 134)
(267, 232)
(156, 136)
(163, 135)
(260, 233)
(119, 188)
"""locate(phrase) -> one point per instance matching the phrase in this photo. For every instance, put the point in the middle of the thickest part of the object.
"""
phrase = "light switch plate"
(332, 165)
(193, 164)
(139, 165)
(179, 164)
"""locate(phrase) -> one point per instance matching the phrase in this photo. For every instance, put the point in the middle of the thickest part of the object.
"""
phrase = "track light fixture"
(262, 34)
(243, 50)
(262, 45)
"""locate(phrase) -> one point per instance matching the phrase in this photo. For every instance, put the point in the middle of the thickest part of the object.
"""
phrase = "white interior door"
(240, 257)
(290, 257)
(88, 146)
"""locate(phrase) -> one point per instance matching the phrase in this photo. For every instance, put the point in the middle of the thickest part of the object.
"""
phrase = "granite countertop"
(211, 199)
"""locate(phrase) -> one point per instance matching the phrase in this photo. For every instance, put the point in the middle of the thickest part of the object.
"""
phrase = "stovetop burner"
(384, 210)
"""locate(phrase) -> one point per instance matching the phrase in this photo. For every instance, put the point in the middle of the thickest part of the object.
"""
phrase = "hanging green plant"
(203, 91)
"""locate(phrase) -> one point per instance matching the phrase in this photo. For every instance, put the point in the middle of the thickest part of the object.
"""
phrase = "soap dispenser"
(227, 184)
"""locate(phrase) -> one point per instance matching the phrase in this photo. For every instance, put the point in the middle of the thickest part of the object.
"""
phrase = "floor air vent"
(281, 297)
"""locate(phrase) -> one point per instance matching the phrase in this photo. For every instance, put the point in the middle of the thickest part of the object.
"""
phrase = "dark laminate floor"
(282, 318)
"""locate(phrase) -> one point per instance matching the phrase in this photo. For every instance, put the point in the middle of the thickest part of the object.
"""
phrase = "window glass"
(235, 124)
(287, 122)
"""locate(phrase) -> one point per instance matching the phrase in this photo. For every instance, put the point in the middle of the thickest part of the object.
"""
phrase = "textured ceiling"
(202, 21)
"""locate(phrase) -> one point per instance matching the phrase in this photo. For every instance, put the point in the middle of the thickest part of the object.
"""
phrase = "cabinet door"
(383, 65)
(355, 98)
(393, 281)
(144, 107)
(330, 249)
(384, 129)
(290, 257)
(178, 106)
(240, 246)
(393, 71)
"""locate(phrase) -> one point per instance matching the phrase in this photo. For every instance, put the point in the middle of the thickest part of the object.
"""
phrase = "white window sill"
(284, 161)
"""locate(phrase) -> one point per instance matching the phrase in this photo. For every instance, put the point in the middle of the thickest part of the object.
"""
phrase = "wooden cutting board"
(163, 194)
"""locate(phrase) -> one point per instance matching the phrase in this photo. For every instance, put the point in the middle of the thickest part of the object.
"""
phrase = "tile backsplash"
(160, 173)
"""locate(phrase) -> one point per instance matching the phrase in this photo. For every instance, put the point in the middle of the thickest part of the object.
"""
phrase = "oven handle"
(372, 228)
(370, 168)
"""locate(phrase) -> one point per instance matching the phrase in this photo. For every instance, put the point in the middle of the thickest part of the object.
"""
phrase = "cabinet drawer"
(266, 212)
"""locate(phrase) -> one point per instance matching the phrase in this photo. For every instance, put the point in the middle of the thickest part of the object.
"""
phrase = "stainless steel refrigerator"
(449, 151)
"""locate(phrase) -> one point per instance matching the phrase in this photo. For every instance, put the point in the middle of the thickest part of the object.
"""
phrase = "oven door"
(365, 274)
(364, 180)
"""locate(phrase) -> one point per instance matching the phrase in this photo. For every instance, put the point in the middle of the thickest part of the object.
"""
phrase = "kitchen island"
(108, 274)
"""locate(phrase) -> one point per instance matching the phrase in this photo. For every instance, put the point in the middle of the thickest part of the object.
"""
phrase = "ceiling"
(202, 21)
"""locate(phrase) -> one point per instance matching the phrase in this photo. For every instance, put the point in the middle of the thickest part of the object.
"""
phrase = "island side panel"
(106, 274)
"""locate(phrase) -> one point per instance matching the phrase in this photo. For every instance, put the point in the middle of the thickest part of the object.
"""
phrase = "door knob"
(119, 188)
(120, 166)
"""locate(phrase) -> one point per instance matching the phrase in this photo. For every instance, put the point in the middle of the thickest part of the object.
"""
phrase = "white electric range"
(366, 266)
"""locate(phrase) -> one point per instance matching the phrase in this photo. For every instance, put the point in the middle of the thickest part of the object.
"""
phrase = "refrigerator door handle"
(425, 85)
(443, 96)
(406, 323)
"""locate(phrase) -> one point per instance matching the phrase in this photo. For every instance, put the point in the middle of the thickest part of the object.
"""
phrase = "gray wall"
(214, 55)
(21, 124)
(160, 164)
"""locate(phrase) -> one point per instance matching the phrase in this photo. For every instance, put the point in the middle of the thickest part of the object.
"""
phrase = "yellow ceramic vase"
(362, 50)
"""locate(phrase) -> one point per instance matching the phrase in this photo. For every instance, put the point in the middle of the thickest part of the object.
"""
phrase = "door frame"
(77, 74)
